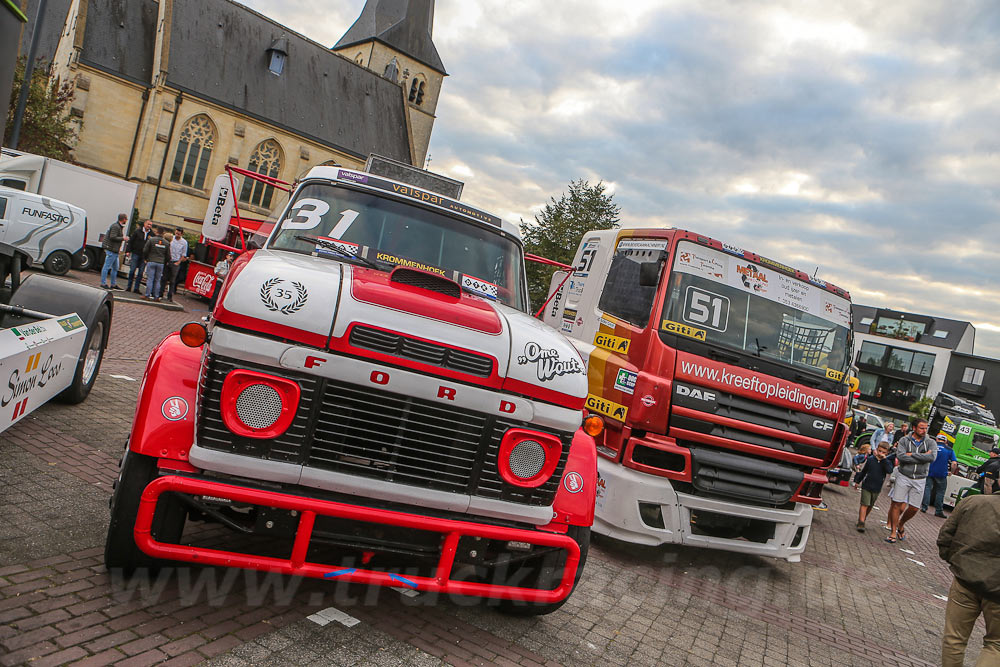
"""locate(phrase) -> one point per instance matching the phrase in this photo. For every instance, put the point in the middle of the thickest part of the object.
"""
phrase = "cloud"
(856, 137)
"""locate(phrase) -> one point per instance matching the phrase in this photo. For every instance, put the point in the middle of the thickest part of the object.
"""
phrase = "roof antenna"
(815, 272)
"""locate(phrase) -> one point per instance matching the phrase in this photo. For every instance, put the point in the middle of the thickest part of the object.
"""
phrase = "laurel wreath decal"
(301, 296)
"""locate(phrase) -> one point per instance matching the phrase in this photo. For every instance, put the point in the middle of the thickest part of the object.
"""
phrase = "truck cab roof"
(412, 193)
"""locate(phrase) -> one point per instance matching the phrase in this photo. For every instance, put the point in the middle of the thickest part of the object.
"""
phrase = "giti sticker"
(625, 381)
(613, 343)
(684, 330)
(607, 408)
(837, 376)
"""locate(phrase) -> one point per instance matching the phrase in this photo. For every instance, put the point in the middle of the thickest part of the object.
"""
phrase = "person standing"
(970, 543)
(903, 430)
(221, 271)
(156, 252)
(112, 245)
(914, 454)
(937, 476)
(989, 473)
(178, 255)
(881, 434)
(136, 244)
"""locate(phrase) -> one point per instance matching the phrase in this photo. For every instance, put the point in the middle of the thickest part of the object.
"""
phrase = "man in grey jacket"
(914, 455)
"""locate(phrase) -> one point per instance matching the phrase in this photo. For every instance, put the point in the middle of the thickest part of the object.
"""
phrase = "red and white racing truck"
(369, 402)
(722, 374)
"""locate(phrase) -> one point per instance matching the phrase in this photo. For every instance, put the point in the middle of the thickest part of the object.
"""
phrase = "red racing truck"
(722, 376)
(369, 402)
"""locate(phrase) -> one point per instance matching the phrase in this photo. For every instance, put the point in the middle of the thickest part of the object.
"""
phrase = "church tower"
(393, 38)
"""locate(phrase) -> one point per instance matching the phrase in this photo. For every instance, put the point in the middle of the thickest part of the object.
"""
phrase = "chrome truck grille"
(372, 433)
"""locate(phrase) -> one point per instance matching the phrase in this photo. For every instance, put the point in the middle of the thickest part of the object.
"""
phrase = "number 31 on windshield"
(308, 214)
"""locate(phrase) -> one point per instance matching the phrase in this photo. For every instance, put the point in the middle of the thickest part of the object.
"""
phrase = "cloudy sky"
(859, 137)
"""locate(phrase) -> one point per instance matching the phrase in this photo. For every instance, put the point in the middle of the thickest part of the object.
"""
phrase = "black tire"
(58, 263)
(89, 363)
(83, 261)
(551, 571)
(95, 258)
(136, 471)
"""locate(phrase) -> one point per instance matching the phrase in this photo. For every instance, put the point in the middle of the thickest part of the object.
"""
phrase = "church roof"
(52, 26)
(119, 38)
(219, 53)
(405, 25)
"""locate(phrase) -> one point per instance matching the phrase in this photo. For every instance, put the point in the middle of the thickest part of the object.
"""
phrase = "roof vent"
(277, 54)
(425, 280)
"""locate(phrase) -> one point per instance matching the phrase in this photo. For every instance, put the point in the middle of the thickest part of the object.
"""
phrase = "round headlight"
(526, 459)
(258, 406)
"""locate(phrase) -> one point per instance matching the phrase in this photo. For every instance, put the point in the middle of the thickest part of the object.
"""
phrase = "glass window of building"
(973, 376)
(922, 364)
(899, 360)
(896, 328)
(867, 384)
(871, 353)
(194, 150)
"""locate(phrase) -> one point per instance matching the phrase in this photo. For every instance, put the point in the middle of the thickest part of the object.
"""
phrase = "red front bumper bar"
(442, 582)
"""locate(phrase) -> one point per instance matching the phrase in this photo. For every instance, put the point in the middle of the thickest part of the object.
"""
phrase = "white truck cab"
(49, 231)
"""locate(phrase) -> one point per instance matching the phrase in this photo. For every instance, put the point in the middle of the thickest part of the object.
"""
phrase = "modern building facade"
(168, 92)
(902, 356)
(975, 378)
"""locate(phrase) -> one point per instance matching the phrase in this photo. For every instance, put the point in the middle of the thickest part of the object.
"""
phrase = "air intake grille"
(426, 281)
(417, 350)
(368, 432)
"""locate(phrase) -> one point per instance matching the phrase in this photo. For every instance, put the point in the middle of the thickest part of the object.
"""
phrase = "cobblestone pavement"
(853, 600)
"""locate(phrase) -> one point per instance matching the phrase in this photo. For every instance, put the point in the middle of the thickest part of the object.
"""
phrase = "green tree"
(557, 229)
(921, 407)
(46, 128)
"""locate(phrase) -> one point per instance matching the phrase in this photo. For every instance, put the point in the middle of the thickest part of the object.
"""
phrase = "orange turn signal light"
(194, 334)
(593, 426)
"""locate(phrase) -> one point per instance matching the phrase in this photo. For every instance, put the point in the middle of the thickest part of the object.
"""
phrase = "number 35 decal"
(706, 309)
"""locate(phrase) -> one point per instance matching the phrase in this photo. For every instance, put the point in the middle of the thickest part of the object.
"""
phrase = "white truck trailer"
(102, 196)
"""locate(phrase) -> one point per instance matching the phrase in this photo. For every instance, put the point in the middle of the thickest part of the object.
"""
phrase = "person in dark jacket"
(112, 245)
(156, 252)
(136, 244)
(875, 469)
(970, 542)
(989, 473)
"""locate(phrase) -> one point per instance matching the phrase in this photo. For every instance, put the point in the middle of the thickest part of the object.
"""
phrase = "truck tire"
(58, 263)
(83, 260)
(550, 571)
(136, 471)
(89, 363)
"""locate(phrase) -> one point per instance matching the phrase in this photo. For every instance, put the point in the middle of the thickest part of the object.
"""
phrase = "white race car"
(52, 338)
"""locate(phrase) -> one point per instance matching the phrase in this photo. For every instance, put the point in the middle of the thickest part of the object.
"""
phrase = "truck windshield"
(399, 233)
(738, 304)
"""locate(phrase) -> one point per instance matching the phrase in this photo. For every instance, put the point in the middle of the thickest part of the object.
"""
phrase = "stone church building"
(168, 92)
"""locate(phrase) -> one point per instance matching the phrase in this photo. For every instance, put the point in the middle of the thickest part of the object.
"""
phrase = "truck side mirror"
(649, 274)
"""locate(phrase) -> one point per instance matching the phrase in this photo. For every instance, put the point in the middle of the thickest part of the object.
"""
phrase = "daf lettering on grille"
(694, 392)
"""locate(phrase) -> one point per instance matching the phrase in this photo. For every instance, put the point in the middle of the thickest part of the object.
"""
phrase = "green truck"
(971, 430)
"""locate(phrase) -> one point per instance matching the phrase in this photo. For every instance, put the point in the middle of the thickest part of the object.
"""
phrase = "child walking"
(859, 460)
(875, 469)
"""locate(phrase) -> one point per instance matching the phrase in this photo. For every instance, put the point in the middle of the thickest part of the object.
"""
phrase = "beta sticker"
(607, 408)
(613, 343)
(684, 330)
(625, 381)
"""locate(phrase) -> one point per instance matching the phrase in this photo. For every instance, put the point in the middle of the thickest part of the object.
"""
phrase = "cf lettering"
(314, 361)
(446, 392)
(507, 406)
(380, 377)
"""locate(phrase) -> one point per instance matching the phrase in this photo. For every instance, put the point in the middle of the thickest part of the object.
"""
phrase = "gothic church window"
(194, 150)
(266, 159)
(416, 91)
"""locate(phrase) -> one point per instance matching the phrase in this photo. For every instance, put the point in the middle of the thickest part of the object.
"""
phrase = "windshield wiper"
(330, 245)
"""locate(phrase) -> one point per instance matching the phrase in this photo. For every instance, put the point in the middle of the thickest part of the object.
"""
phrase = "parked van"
(47, 230)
